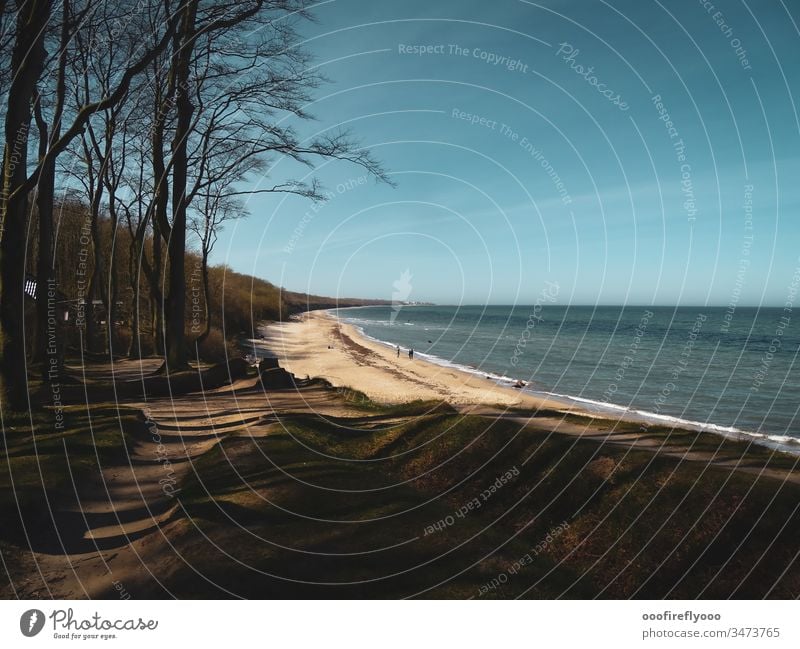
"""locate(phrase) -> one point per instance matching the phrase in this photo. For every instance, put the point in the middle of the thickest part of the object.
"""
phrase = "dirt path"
(118, 534)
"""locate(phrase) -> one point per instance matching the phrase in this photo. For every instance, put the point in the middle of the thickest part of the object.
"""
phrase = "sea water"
(697, 367)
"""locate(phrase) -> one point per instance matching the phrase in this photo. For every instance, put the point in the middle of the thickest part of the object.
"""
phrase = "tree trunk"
(154, 323)
(48, 348)
(112, 295)
(157, 299)
(176, 307)
(95, 281)
(27, 62)
(137, 264)
(135, 348)
(45, 193)
(159, 217)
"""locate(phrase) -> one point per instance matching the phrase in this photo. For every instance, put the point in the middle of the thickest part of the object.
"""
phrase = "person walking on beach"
(411, 354)
(398, 351)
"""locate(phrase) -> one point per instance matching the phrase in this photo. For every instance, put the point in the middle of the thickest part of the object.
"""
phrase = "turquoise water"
(732, 373)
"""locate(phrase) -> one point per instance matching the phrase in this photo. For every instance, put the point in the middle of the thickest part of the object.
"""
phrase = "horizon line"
(517, 304)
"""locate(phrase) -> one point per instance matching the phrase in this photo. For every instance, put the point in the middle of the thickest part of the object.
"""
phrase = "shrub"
(215, 349)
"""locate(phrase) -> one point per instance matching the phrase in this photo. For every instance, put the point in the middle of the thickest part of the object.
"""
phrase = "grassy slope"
(639, 525)
(294, 303)
(336, 508)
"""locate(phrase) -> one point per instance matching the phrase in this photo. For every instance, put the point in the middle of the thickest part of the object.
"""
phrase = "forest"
(133, 133)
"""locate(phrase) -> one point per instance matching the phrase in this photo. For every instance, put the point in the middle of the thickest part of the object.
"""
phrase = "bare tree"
(47, 332)
(28, 58)
(27, 63)
(215, 210)
(134, 199)
(251, 55)
(176, 241)
(101, 51)
(171, 109)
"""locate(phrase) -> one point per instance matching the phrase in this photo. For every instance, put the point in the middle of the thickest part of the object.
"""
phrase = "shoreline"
(317, 344)
(353, 359)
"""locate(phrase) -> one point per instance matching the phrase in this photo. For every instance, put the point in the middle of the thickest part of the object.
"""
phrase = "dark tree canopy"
(133, 133)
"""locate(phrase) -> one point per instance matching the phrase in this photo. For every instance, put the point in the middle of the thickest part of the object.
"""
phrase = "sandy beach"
(318, 345)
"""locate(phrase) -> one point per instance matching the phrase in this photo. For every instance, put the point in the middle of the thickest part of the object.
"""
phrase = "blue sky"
(558, 182)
